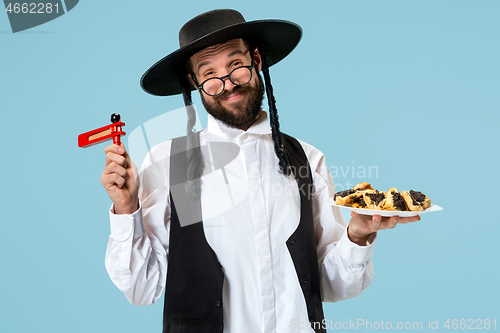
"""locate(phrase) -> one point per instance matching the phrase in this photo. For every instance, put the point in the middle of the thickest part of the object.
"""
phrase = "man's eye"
(237, 64)
(209, 74)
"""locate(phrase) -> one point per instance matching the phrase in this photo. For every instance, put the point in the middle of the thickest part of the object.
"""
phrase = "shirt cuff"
(354, 253)
(124, 225)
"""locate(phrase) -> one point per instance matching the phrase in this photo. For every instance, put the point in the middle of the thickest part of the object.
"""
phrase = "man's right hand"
(119, 178)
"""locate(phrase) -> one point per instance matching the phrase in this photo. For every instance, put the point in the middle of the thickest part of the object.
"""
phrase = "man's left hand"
(361, 227)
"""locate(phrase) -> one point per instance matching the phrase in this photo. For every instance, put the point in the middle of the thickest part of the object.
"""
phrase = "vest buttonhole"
(292, 241)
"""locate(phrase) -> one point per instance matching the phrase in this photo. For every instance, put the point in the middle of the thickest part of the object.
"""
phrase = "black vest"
(193, 295)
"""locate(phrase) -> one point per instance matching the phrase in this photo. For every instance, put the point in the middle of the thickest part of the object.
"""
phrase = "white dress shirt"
(246, 222)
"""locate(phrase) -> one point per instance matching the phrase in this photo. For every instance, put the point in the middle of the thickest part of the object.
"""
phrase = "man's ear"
(257, 58)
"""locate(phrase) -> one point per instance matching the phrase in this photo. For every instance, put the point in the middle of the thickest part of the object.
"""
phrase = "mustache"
(236, 89)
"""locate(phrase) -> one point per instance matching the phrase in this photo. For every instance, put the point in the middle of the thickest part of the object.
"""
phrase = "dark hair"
(279, 148)
(195, 160)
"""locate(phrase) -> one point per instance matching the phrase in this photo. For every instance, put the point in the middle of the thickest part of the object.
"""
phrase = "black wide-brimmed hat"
(275, 38)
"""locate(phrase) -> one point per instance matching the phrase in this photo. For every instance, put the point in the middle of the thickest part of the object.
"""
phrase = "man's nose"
(228, 84)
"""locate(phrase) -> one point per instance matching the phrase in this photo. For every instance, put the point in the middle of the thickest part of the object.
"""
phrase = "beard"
(243, 115)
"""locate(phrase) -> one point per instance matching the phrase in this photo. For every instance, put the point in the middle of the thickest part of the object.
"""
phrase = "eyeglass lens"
(240, 76)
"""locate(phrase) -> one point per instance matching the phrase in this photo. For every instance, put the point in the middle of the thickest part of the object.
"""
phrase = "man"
(264, 250)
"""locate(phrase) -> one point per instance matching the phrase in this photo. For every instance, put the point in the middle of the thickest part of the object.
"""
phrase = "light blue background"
(410, 87)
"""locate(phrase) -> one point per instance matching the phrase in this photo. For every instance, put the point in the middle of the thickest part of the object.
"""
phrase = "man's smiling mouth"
(233, 97)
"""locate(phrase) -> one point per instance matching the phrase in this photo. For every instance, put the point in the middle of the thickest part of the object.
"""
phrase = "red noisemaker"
(103, 134)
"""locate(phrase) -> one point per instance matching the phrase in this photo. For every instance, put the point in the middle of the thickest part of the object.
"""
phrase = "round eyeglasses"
(238, 76)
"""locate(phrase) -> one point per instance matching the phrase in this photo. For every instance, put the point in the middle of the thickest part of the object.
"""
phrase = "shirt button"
(244, 136)
(219, 303)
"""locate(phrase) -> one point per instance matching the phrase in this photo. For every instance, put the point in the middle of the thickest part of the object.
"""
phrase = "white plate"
(430, 209)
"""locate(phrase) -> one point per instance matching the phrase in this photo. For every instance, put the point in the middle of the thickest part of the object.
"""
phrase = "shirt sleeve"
(137, 250)
(346, 268)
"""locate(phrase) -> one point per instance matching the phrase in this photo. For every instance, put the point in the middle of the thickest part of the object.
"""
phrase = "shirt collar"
(218, 128)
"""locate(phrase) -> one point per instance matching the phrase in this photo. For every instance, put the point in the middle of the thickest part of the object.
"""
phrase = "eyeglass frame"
(228, 76)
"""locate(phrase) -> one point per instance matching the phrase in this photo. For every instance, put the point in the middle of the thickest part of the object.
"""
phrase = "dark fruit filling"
(359, 200)
(376, 197)
(399, 202)
(419, 196)
(343, 193)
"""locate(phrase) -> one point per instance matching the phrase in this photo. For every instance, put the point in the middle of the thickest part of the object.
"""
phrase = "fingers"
(116, 154)
(364, 224)
(114, 167)
(382, 223)
(392, 222)
(376, 222)
(115, 149)
(405, 220)
(109, 180)
(127, 158)
(132, 177)
(115, 170)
